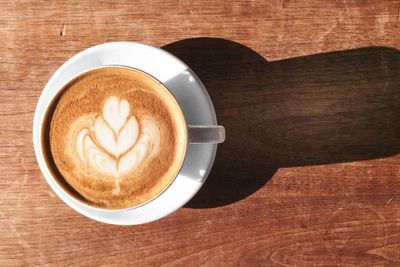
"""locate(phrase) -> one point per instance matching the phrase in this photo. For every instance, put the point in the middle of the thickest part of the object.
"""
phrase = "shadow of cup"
(328, 108)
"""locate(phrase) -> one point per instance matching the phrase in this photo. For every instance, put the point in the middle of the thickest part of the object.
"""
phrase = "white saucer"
(191, 96)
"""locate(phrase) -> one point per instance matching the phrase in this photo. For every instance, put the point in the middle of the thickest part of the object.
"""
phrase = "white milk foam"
(116, 144)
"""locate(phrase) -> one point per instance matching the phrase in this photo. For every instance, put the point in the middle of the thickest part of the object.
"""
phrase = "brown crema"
(117, 137)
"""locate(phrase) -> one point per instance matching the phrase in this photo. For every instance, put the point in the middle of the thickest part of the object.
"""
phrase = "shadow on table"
(335, 107)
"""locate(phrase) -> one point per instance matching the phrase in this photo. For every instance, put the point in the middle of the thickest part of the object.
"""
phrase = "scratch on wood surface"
(11, 186)
(51, 193)
(63, 30)
(334, 214)
(398, 14)
(108, 22)
(390, 252)
(390, 200)
(330, 29)
(275, 200)
(328, 241)
(382, 21)
(11, 223)
(369, 175)
(383, 220)
(20, 195)
(21, 240)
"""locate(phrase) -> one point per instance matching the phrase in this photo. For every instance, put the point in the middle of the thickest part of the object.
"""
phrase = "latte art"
(117, 137)
(116, 143)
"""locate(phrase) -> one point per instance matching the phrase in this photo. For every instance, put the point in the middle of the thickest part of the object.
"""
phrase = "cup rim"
(44, 122)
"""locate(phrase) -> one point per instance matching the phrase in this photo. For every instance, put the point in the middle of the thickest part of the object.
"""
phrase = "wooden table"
(308, 92)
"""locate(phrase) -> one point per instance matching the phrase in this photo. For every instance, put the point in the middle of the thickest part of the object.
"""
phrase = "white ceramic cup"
(196, 106)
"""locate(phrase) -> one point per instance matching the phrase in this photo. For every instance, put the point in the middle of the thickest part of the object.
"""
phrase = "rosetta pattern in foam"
(116, 143)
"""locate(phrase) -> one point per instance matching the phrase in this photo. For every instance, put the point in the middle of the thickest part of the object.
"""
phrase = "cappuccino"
(117, 137)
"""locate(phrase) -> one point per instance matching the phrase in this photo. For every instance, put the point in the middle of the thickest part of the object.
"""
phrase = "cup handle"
(202, 134)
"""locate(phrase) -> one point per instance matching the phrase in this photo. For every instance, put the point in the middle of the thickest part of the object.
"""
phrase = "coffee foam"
(121, 143)
(113, 146)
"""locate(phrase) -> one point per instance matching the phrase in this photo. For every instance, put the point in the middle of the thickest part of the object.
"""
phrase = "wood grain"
(309, 94)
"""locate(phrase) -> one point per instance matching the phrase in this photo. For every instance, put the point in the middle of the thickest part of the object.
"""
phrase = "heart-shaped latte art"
(116, 143)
